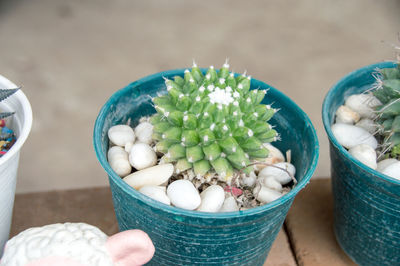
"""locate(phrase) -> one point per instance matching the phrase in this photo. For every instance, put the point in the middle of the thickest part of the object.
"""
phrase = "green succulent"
(388, 92)
(4, 94)
(212, 122)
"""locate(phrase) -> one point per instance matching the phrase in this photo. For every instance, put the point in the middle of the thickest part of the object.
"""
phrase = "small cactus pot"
(366, 202)
(183, 237)
(21, 124)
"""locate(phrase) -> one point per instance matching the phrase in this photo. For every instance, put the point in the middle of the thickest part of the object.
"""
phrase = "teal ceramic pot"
(366, 202)
(183, 237)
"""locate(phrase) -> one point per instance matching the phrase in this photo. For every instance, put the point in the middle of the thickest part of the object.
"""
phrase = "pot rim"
(27, 114)
(188, 213)
(327, 124)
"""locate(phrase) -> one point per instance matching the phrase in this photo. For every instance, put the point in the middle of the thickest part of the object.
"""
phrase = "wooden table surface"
(306, 238)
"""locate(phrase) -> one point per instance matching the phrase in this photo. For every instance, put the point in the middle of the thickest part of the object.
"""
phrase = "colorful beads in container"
(7, 136)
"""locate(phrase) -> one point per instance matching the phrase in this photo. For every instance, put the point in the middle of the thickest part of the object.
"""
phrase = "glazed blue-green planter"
(183, 237)
(366, 202)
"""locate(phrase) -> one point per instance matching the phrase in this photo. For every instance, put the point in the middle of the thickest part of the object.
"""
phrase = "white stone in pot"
(365, 154)
(350, 136)
(385, 163)
(121, 134)
(272, 183)
(212, 199)
(249, 181)
(392, 170)
(183, 194)
(142, 156)
(346, 115)
(118, 160)
(280, 175)
(363, 104)
(265, 194)
(229, 205)
(143, 132)
(156, 175)
(157, 193)
(367, 124)
(128, 146)
(274, 156)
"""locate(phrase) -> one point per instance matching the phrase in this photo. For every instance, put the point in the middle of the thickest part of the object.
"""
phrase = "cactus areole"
(212, 122)
(388, 92)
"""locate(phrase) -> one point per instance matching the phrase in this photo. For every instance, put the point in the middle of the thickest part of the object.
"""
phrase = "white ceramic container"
(20, 123)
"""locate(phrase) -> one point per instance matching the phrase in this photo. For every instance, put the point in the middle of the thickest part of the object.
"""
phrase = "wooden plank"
(280, 254)
(93, 206)
(310, 227)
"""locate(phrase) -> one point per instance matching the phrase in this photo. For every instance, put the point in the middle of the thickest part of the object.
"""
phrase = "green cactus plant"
(4, 94)
(388, 114)
(212, 122)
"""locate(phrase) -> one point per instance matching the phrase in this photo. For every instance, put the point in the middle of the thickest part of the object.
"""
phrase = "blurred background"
(70, 56)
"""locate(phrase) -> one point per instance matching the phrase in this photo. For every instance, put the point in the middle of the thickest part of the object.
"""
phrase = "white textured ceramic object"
(77, 244)
(21, 123)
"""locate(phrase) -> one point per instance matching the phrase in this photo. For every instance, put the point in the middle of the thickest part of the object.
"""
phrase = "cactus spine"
(212, 122)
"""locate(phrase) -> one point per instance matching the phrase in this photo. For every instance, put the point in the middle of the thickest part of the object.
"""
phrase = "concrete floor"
(70, 56)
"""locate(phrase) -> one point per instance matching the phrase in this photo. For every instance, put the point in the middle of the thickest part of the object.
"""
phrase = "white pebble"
(280, 175)
(118, 160)
(266, 195)
(367, 124)
(350, 136)
(183, 194)
(250, 180)
(229, 205)
(365, 154)
(274, 156)
(346, 115)
(121, 134)
(212, 199)
(128, 146)
(143, 132)
(271, 183)
(157, 193)
(385, 163)
(363, 104)
(153, 176)
(142, 156)
(393, 170)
